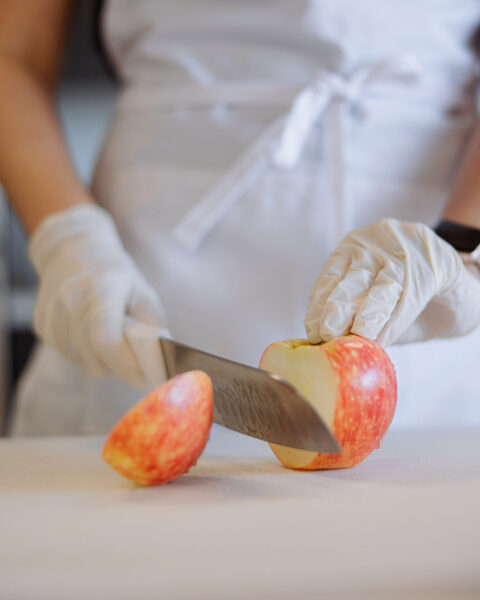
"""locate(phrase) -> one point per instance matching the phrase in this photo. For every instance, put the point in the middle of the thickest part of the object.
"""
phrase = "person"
(257, 150)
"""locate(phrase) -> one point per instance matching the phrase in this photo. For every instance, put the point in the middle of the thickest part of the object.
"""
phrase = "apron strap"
(329, 96)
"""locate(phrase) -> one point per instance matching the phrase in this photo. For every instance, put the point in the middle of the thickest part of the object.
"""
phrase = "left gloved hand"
(94, 305)
(393, 282)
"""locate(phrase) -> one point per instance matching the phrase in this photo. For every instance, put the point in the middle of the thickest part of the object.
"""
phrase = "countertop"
(404, 524)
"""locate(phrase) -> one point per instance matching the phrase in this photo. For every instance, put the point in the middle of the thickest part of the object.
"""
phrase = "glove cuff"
(74, 224)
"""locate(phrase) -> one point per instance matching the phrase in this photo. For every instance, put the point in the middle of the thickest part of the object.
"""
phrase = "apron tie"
(282, 144)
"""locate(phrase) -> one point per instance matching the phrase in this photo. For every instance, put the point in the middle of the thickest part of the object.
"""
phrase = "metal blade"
(253, 401)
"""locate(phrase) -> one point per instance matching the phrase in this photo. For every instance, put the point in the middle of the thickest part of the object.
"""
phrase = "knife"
(253, 401)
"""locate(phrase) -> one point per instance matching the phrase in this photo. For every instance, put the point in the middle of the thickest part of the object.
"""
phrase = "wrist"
(53, 206)
(82, 226)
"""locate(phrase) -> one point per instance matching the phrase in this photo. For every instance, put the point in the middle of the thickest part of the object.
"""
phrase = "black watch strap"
(461, 237)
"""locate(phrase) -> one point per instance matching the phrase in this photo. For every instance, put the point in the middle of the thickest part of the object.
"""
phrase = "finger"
(332, 273)
(337, 305)
(144, 324)
(144, 304)
(379, 304)
(63, 321)
(103, 345)
(345, 299)
(143, 339)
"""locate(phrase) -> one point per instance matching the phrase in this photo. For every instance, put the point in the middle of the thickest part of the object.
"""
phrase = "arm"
(464, 204)
(93, 304)
(35, 168)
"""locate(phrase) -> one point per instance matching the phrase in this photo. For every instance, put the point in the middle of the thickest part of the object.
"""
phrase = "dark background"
(86, 97)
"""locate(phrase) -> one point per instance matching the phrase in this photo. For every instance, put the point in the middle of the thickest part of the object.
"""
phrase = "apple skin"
(163, 435)
(358, 399)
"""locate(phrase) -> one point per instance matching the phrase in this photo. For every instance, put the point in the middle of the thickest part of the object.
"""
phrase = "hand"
(393, 282)
(93, 305)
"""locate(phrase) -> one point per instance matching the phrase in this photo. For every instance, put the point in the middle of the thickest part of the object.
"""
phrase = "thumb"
(144, 341)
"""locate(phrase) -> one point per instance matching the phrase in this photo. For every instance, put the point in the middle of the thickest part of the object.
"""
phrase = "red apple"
(351, 382)
(163, 435)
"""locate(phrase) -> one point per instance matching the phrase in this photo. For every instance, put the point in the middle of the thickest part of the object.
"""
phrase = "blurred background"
(85, 103)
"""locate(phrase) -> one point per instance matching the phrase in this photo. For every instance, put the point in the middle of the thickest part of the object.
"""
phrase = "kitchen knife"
(252, 401)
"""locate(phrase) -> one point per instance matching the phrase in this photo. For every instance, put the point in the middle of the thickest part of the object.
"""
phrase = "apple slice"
(163, 435)
(351, 382)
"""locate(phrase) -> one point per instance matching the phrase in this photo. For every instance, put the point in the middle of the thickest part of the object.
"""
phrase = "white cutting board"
(404, 524)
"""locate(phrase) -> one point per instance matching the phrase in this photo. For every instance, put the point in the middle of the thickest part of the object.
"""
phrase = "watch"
(466, 240)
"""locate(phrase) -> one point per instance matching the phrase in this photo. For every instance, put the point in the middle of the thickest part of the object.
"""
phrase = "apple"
(351, 382)
(163, 435)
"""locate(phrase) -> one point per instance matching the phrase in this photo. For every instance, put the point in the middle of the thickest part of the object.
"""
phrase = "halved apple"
(163, 435)
(351, 382)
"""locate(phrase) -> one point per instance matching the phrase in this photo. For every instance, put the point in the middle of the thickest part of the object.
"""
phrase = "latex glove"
(393, 282)
(93, 304)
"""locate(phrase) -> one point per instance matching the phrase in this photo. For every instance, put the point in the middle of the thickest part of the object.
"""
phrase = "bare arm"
(35, 169)
(464, 204)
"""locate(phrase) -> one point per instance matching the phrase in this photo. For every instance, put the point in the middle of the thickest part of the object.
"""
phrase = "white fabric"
(393, 282)
(93, 305)
(328, 87)
(248, 282)
(283, 143)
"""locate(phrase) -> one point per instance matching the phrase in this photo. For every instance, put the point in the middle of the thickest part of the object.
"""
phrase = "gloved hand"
(393, 282)
(93, 304)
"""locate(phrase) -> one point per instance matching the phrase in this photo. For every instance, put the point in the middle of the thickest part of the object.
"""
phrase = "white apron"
(248, 139)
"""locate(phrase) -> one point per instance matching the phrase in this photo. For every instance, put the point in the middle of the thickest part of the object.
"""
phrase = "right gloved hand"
(94, 305)
(393, 282)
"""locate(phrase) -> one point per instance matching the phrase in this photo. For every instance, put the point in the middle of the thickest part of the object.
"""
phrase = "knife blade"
(252, 401)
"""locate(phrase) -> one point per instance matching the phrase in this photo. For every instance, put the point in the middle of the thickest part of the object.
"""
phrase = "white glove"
(393, 282)
(93, 304)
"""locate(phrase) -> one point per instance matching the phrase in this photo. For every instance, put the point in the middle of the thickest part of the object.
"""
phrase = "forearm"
(464, 204)
(35, 169)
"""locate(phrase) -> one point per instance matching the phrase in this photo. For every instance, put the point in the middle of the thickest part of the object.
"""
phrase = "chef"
(282, 169)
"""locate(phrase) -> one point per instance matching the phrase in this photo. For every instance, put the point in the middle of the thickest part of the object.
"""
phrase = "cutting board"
(404, 524)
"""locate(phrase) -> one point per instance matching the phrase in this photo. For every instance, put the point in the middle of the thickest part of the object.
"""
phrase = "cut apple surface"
(163, 435)
(351, 383)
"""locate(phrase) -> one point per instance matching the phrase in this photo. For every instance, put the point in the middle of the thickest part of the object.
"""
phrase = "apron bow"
(327, 97)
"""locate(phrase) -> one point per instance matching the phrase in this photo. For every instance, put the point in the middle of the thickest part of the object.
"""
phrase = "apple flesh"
(351, 383)
(163, 435)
